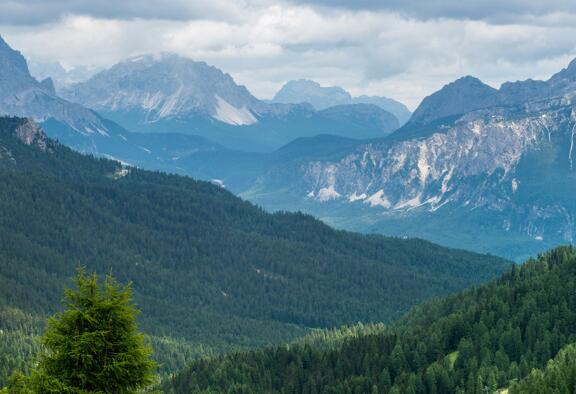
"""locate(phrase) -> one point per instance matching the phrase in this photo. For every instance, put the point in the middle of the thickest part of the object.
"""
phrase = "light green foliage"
(94, 345)
(559, 377)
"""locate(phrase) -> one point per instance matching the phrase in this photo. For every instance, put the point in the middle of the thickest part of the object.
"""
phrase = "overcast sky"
(405, 49)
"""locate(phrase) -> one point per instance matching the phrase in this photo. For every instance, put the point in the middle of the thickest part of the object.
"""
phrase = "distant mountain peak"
(308, 91)
(323, 97)
(167, 85)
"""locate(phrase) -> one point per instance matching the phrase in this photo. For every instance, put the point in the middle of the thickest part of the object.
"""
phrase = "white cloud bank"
(262, 44)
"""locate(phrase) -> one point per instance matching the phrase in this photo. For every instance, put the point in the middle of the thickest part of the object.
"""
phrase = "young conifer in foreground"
(93, 346)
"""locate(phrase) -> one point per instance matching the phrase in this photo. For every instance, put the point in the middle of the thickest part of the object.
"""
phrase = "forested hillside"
(477, 341)
(211, 272)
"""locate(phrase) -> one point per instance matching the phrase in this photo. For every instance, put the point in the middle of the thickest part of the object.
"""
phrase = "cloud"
(263, 44)
(490, 10)
(34, 12)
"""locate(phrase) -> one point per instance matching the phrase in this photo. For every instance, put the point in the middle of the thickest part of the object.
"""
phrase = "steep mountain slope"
(321, 97)
(476, 341)
(208, 269)
(169, 93)
(509, 175)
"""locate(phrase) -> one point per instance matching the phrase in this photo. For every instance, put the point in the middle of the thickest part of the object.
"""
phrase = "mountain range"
(475, 167)
(169, 93)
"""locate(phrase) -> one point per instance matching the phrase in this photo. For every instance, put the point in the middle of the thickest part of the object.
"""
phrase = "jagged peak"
(166, 58)
(12, 59)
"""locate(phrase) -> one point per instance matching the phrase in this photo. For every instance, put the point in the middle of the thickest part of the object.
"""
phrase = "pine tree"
(94, 345)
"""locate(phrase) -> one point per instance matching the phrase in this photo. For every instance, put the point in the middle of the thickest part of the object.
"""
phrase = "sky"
(404, 49)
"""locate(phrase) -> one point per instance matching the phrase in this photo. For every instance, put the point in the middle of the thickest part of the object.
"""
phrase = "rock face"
(464, 166)
(321, 97)
(31, 134)
(516, 167)
(166, 86)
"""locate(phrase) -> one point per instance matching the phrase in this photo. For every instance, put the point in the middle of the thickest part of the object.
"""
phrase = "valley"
(299, 196)
(211, 272)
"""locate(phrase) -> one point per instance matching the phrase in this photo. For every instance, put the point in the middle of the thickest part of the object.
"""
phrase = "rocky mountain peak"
(167, 85)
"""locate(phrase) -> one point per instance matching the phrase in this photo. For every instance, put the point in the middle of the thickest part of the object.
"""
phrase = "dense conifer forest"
(211, 272)
(477, 341)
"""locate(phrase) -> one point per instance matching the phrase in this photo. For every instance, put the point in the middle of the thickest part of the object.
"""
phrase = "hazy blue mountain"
(322, 97)
(396, 108)
(306, 91)
(60, 75)
(169, 93)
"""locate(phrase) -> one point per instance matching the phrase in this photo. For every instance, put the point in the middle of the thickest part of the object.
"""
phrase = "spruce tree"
(94, 346)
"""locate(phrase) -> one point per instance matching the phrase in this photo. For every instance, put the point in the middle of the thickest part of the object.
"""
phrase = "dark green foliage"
(473, 342)
(559, 377)
(210, 272)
